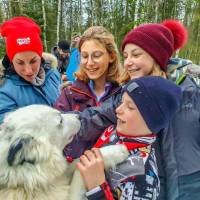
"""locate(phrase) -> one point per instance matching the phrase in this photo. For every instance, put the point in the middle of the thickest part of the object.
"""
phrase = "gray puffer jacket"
(180, 142)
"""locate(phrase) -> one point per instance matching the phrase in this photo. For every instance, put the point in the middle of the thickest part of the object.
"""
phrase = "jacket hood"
(178, 68)
(50, 59)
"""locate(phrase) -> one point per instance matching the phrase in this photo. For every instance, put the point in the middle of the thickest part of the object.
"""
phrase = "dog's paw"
(114, 154)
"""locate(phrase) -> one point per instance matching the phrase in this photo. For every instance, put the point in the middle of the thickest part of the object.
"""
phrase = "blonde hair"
(103, 36)
(156, 71)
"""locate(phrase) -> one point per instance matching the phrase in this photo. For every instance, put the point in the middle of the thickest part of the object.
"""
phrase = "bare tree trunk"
(197, 42)
(126, 10)
(156, 10)
(20, 4)
(80, 16)
(71, 18)
(136, 16)
(45, 25)
(9, 9)
(92, 14)
(58, 20)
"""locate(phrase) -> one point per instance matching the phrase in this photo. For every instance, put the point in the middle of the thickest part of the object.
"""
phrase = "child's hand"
(91, 167)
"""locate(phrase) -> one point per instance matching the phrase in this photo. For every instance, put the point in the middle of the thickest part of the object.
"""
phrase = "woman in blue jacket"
(26, 78)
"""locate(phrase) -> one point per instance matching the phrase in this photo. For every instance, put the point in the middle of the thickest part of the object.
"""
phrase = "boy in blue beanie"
(148, 104)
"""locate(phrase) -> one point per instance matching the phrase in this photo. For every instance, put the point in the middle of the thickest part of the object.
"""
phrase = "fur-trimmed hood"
(49, 58)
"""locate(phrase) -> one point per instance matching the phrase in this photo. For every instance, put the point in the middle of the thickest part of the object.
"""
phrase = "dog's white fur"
(31, 159)
(112, 155)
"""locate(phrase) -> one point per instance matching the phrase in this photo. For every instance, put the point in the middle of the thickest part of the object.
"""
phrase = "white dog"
(32, 166)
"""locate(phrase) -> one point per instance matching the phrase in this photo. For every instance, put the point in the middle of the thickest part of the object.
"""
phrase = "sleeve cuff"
(101, 192)
(92, 191)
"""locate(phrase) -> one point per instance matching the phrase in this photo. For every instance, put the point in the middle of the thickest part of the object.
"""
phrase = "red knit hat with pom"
(159, 40)
(22, 34)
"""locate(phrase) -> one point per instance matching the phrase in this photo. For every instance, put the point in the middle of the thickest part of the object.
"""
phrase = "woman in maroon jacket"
(98, 72)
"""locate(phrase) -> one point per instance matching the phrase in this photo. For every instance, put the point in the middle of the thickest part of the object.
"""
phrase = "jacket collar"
(17, 80)
(80, 87)
(111, 136)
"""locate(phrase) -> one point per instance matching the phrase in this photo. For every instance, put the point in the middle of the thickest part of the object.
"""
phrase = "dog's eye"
(9, 138)
(61, 120)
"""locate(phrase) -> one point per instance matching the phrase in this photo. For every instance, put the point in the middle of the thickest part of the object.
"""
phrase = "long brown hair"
(103, 36)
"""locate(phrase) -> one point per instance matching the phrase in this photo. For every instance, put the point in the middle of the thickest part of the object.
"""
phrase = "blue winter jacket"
(73, 64)
(16, 92)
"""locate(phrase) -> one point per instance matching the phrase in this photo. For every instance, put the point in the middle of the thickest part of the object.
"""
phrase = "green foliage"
(2, 48)
(51, 15)
(118, 16)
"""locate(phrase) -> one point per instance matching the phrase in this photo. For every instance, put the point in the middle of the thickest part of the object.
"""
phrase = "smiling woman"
(95, 62)
(98, 72)
(27, 78)
(97, 75)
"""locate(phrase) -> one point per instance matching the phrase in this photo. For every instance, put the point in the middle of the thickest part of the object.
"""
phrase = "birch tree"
(58, 20)
(157, 3)
(44, 26)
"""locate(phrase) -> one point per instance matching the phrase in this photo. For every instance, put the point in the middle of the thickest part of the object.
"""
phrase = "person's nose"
(90, 60)
(28, 69)
(128, 62)
(119, 109)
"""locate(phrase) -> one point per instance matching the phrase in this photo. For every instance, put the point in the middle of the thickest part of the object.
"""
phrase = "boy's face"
(129, 120)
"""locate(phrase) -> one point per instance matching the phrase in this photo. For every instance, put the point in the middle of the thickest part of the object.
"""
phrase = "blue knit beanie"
(156, 98)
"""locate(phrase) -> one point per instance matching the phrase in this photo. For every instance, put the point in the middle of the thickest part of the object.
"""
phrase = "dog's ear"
(17, 151)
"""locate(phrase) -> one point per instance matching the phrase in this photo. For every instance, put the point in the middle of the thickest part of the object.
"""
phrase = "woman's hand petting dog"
(91, 167)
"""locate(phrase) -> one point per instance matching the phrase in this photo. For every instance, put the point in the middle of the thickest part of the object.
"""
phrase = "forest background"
(59, 19)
